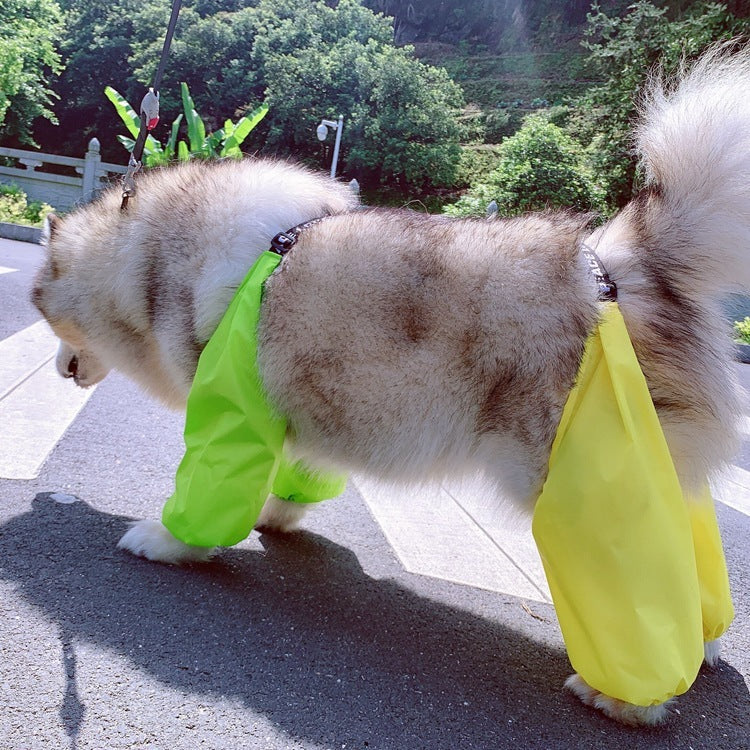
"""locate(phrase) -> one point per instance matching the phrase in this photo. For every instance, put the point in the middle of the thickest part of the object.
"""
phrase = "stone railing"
(63, 191)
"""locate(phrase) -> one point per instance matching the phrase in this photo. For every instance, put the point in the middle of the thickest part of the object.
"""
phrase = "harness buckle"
(283, 242)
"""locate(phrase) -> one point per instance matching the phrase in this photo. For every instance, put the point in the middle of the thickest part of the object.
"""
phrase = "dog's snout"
(72, 367)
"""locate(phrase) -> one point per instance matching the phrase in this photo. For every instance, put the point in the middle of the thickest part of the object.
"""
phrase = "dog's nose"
(72, 367)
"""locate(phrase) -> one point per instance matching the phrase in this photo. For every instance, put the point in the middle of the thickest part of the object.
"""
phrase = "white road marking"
(24, 353)
(733, 489)
(4, 269)
(446, 532)
(433, 534)
(36, 404)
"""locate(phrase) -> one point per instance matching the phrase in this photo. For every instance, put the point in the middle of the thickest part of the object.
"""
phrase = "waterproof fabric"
(713, 578)
(233, 437)
(637, 575)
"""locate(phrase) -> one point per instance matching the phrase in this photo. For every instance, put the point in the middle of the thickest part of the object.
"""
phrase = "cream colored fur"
(411, 347)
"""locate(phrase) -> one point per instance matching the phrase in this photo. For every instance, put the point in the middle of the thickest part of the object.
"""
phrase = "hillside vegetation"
(444, 103)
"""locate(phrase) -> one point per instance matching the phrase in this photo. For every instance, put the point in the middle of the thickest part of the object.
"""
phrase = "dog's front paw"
(152, 540)
(626, 713)
(280, 515)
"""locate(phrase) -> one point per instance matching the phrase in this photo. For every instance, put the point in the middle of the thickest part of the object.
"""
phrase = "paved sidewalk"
(392, 621)
(450, 532)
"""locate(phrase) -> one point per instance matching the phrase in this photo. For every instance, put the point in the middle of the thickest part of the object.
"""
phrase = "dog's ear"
(51, 226)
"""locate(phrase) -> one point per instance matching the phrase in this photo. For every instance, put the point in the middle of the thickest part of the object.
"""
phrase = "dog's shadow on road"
(333, 657)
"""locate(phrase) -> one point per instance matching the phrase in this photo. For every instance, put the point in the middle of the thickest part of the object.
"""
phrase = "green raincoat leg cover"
(234, 439)
(637, 575)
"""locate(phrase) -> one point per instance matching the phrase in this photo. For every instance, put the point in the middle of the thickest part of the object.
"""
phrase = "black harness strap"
(607, 288)
(283, 242)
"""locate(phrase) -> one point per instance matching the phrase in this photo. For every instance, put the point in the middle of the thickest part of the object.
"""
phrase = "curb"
(20, 233)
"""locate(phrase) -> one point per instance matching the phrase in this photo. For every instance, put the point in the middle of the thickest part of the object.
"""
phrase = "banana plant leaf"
(241, 130)
(132, 122)
(195, 126)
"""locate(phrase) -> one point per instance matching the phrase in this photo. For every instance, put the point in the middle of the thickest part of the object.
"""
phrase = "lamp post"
(322, 133)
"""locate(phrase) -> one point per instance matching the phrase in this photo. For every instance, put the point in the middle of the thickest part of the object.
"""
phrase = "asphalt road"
(317, 639)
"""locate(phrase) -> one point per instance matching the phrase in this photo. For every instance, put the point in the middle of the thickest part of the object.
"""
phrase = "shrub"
(742, 330)
(623, 49)
(15, 207)
(539, 167)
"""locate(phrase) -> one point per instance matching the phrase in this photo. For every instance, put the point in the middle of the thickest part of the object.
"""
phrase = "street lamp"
(322, 133)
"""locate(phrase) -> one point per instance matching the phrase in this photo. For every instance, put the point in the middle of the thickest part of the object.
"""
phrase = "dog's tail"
(694, 142)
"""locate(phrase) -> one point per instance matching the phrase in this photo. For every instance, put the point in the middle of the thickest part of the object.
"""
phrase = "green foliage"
(400, 115)
(499, 124)
(29, 32)
(95, 50)
(482, 22)
(16, 209)
(223, 143)
(310, 60)
(622, 52)
(476, 161)
(742, 330)
(539, 167)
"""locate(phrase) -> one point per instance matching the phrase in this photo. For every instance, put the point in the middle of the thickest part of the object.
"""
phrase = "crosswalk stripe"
(24, 353)
(733, 489)
(434, 535)
(36, 404)
(446, 532)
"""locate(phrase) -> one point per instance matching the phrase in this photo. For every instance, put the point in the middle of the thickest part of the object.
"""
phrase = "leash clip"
(128, 182)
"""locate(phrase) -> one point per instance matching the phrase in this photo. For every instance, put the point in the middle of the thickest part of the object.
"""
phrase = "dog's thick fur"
(408, 346)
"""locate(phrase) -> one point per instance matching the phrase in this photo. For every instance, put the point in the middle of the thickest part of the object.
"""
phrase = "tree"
(539, 167)
(400, 115)
(29, 32)
(623, 51)
(310, 60)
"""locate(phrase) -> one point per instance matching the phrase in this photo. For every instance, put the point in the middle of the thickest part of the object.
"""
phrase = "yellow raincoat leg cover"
(637, 573)
(234, 439)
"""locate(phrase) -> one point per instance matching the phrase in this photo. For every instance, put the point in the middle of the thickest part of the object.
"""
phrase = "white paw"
(626, 713)
(712, 652)
(280, 515)
(152, 540)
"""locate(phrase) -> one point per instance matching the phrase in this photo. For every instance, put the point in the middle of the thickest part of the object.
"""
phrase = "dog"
(410, 347)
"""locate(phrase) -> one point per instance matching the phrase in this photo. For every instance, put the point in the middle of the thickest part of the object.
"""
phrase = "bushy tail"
(694, 140)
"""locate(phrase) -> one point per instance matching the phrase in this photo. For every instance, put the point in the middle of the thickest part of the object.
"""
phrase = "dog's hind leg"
(625, 713)
(712, 652)
(280, 515)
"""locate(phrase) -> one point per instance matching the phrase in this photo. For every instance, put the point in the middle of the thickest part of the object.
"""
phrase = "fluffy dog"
(410, 347)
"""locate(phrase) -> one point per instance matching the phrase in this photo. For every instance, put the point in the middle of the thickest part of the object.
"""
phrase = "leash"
(149, 112)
